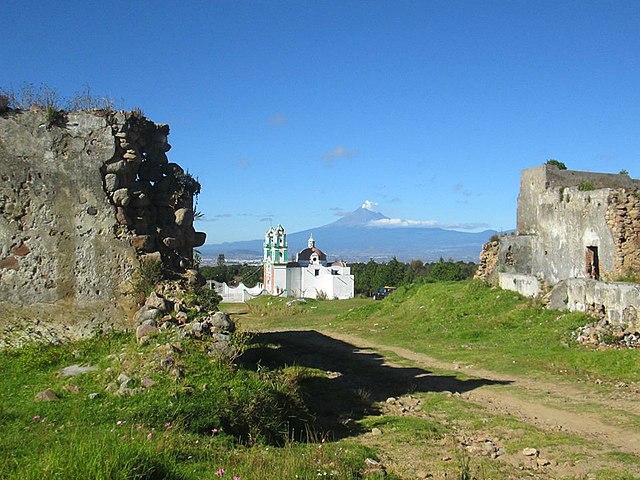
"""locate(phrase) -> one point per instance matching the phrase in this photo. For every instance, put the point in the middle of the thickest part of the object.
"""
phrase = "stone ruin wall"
(488, 260)
(82, 204)
(623, 218)
(557, 220)
(555, 224)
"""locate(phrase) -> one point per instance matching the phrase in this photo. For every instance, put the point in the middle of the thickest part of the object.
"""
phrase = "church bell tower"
(275, 260)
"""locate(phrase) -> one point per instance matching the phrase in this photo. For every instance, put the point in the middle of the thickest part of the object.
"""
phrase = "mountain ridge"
(353, 238)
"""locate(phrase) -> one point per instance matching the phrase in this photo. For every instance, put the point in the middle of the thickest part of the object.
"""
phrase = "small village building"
(309, 276)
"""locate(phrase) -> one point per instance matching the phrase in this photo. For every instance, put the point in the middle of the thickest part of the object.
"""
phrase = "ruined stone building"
(84, 203)
(578, 236)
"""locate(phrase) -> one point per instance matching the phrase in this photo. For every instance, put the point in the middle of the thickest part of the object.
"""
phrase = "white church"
(308, 276)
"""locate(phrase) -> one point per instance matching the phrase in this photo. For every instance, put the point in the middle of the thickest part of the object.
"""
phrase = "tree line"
(371, 276)
(233, 274)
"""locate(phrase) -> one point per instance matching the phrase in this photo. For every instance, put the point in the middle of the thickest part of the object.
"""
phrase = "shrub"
(148, 275)
(4, 103)
(206, 297)
(556, 163)
(585, 186)
(188, 183)
(53, 116)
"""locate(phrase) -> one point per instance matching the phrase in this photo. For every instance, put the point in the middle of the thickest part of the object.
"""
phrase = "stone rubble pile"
(483, 446)
(166, 312)
(604, 334)
(153, 198)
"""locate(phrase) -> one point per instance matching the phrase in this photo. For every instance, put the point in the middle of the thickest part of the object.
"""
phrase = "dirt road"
(380, 372)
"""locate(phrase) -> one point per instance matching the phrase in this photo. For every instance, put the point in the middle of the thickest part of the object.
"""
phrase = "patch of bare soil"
(362, 382)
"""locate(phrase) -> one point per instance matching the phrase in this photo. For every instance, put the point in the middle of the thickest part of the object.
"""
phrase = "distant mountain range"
(354, 238)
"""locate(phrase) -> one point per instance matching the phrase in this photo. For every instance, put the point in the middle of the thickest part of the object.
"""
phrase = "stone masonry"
(623, 218)
(579, 234)
(82, 204)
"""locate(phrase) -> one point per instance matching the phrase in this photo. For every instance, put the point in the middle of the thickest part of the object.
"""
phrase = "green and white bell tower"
(275, 260)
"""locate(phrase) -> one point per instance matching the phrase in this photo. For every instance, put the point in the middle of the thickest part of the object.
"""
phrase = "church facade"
(309, 276)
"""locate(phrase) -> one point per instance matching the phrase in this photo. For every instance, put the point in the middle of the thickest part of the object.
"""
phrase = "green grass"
(467, 322)
(164, 432)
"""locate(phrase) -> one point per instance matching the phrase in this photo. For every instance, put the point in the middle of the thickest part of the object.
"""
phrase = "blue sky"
(299, 111)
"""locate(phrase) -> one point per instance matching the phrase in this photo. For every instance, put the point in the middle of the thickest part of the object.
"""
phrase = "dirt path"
(532, 401)
(501, 400)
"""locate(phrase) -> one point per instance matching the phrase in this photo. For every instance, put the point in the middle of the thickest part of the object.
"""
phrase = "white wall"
(303, 282)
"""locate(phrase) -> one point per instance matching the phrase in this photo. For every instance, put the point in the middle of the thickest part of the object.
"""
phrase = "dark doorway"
(592, 263)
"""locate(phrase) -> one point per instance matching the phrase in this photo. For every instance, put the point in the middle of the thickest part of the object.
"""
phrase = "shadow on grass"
(356, 377)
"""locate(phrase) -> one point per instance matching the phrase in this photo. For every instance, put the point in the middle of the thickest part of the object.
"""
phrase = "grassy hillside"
(467, 322)
(203, 418)
(200, 419)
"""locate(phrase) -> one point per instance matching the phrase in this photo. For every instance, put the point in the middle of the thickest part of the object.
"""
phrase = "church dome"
(308, 252)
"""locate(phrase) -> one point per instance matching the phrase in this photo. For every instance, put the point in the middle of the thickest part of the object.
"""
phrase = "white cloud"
(402, 223)
(332, 156)
(278, 120)
(458, 187)
(243, 163)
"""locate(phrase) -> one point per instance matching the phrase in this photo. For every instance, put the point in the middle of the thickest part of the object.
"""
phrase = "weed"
(188, 183)
(138, 113)
(85, 100)
(53, 116)
(321, 295)
(147, 276)
(585, 186)
(609, 339)
(4, 102)
(629, 277)
(206, 297)
(464, 465)
(29, 96)
(624, 172)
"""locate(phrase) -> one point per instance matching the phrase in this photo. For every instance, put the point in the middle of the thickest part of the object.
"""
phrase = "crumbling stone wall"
(81, 204)
(623, 218)
(488, 260)
(153, 198)
(563, 213)
(573, 228)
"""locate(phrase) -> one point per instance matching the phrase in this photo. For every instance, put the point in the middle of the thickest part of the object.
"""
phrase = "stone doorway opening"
(592, 263)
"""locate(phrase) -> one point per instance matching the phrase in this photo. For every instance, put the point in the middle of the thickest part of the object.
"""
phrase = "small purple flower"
(220, 472)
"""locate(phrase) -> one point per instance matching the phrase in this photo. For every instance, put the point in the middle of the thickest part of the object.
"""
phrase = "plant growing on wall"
(585, 186)
(556, 163)
(4, 103)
